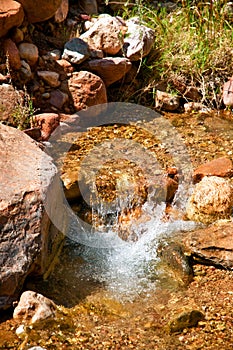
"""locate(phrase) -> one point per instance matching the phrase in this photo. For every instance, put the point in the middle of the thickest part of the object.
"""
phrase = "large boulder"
(40, 10)
(11, 15)
(221, 167)
(212, 199)
(31, 211)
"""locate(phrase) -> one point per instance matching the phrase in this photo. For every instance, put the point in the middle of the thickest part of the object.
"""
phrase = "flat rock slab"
(29, 239)
(212, 245)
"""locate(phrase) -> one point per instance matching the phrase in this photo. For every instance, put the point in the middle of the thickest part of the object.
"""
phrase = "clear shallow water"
(125, 269)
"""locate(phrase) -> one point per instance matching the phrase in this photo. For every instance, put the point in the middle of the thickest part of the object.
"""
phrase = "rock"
(66, 66)
(17, 35)
(87, 89)
(227, 95)
(34, 308)
(34, 133)
(110, 69)
(31, 209)
(166, 101)
(12, 53)
(53, 55)
(11, 15)
(212, 199)
(25, 72)
(175, 263)
(58, 98)
(76, 51)
(138, 41)
(192, 93)
(190, 107)
(186, 319)
(29, 53)
(47, 122)
(221, 167)
(106, 34)
(50, 78)
(88, 6)
(40, 10)
(212, 245)
(62, 11)
(8, 103)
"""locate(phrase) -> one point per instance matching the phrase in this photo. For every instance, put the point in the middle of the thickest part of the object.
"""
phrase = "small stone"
(34, 308)
(49, 77)
(228, 93)
(186, 319)
(58, 98)
(166, 101)
(21, 332)
(25, 71)
(53, 55)
(76, 51)
(47, 122)
(29, 52)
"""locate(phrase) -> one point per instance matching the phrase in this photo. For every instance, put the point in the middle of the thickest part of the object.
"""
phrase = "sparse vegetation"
(193, 47)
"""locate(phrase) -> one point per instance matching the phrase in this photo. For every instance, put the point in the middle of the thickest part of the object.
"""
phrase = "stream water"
(98, 256)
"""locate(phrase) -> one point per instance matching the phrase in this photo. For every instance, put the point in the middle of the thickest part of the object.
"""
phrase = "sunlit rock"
(221, 167)
(212, 199)
(31, 210)
(87, 89)
(212, 245)
(166, 101)
(11, 15)
(34, 308)
(106, 34)
(138, 41)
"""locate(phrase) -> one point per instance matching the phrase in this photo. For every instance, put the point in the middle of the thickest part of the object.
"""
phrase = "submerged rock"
(186, 319)
(175, 262)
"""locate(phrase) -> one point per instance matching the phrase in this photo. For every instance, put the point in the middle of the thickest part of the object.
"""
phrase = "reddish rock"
(166, 101)
(62, 11)
(31, 200)
(11, 15)
(110, 69)
(212, 245)
(34, 308)
(40, 10)
(87, 89)
(12, 53)
(47, 122)
(67, 66)
(222, 167)
(8, 103)
(34, 133)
